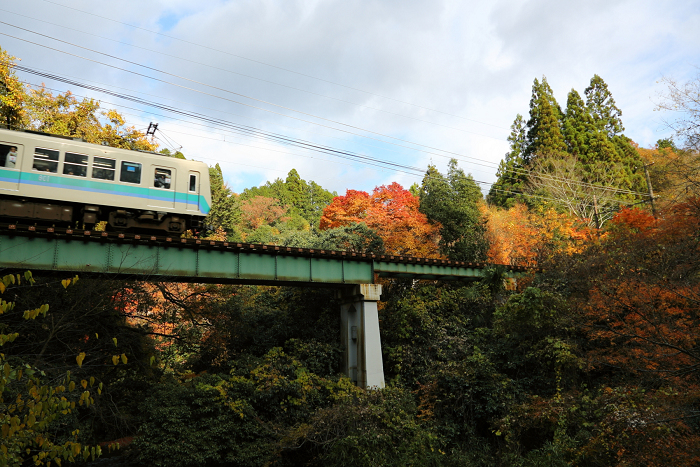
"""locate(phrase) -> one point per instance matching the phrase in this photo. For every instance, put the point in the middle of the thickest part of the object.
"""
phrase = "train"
(47, 178)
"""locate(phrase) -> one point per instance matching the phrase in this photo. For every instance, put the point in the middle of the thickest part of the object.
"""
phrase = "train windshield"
(130, 172)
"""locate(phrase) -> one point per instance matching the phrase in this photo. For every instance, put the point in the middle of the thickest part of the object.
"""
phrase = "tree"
(591, 201)
(31, 404)
(452, 204)
(12, 94)
(577, 125)
(528, 237)
(544, 126)
(512, 173)
(225, 212)
(683, 101)
(601, 106)
(305, 199)
(176, 154)
(63, 114)
(392, 212)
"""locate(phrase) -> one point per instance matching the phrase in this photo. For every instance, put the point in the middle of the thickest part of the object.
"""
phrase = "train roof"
(81, 140)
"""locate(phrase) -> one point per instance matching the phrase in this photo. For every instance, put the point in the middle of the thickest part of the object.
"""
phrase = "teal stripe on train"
(57, 181)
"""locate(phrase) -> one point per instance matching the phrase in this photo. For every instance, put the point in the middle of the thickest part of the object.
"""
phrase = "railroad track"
(196, 243)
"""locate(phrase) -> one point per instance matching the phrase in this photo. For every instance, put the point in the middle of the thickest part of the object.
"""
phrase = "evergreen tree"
(225, 210)
(511, 171)
(544, 126)
(577, 125)
(453, 201)
(601, 105)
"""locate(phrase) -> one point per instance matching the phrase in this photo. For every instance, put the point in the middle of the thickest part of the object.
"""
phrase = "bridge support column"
(359, 324)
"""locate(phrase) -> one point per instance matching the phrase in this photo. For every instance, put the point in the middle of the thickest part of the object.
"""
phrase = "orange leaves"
(392, 212)
(344, 210)
(634, 219)
(518, 236)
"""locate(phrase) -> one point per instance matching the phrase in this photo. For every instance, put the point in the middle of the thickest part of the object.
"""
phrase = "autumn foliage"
(392, 212)
(523, 237)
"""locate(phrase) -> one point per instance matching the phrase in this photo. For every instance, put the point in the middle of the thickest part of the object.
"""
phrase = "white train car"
(48, 178)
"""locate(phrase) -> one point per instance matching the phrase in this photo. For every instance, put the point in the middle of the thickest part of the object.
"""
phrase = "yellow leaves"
(32, 314)
(66, 282)
(115, 359)
(114, 339)
(80, 359)
(124, 359)
(84, 384)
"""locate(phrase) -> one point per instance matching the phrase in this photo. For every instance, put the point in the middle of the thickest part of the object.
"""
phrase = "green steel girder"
(174, 262)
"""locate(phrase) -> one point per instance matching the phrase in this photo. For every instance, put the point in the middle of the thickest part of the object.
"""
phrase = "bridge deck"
(192, 260)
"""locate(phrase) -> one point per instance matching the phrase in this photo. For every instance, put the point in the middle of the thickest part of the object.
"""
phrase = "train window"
(9, 156)
(162, 178)
(45, 160)
(193, 183)
(103, 168)
(75, 164)
(130, 172)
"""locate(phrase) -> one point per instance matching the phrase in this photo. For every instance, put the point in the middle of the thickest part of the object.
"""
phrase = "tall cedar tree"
(577, 125)
(591, 133)
(225, 210)
(544, 126)
(511, 173)
(453, 203)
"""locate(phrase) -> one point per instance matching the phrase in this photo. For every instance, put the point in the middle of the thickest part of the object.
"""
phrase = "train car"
(61, 180)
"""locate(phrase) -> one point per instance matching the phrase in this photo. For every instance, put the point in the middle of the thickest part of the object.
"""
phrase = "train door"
(161, 193)
(193, 191)
(10, 166)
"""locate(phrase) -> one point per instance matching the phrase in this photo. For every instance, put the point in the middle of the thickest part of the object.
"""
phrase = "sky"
(355, 94)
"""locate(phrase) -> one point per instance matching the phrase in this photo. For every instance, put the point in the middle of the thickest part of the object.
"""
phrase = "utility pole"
(595, 213)
(651, 192)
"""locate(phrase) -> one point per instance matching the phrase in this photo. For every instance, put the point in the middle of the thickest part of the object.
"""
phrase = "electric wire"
(216, 139)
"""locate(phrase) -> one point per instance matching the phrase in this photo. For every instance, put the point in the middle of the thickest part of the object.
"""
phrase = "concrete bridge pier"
(359, 324)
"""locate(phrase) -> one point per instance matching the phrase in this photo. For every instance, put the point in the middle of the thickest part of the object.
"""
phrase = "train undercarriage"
(15, 209)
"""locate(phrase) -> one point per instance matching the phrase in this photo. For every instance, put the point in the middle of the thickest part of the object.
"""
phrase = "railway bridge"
(175, 259)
